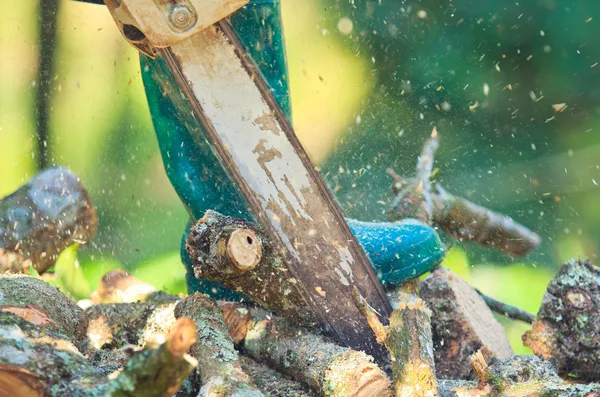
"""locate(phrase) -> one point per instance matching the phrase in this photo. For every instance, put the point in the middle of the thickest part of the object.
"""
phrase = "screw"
(181, 17)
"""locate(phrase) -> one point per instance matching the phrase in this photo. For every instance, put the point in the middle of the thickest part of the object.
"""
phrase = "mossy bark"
(115, 325)
(158, 370)
(119, 324)
(32, 298)
(40, 351)
(517, 376)
(410, 343)
(273, 383)
(42, 218)
(219, 369)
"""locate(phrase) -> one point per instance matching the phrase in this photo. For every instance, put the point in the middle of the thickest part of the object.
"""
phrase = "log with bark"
(131, 344)
(42, 218)
(298, 352)
(118, 325)
(235, 253)
(329, 369)
(515, 377)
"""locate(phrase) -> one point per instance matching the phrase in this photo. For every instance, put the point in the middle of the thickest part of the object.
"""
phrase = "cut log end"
(18, 382)
(244, 249)
(120, 286)
(182, 337)
(353, 374)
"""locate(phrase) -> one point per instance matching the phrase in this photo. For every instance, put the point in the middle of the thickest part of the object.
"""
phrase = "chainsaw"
(215, 77)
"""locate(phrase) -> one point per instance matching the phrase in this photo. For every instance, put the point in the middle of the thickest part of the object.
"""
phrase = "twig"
(507, 310)
(460, 218)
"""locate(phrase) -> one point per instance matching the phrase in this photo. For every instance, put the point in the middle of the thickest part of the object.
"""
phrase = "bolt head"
(182, 17)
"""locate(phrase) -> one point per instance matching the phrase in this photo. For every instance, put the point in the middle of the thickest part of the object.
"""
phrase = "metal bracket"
(150, 25)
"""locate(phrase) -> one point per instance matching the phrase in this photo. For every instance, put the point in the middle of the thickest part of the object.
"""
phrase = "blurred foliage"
(369, 80)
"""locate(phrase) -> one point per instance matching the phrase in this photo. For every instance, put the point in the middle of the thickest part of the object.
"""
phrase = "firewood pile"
(130, 339)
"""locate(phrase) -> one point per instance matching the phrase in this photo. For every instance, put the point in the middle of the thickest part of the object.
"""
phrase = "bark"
(115, 325)
(467, 221)
(220, 369)
(461, 219)
(408, 340)
(42, 218)
(120, 324)
(160, 370)
(568, 322)
(268, 283)
(43, 305)
(515, 377)
(329, 369)
(271, 382)
(462, 324)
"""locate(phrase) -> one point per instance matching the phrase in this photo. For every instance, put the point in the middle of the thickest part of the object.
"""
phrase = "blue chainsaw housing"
(398, 251)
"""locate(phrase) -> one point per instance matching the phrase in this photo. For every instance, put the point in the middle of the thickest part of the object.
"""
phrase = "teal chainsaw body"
(398, 251)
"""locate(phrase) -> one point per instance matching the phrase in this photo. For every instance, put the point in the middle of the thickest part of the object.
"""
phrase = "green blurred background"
(511, 87)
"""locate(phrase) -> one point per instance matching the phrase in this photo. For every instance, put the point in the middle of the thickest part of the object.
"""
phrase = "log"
(567, 325)
(40, 356)
(515, 377)
(462, 324)
(408, 340)
(267, 282)
(145, 318)
(40, 362)
(242, 321)
(42, 218)
(219, 370)
(329, 369)
(463, 220)
(158, 370)
(42, 305)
